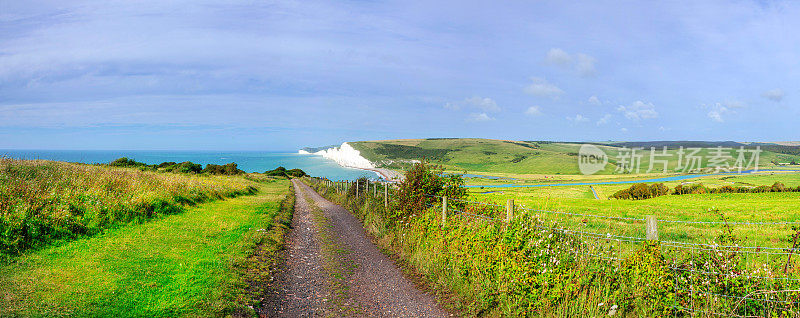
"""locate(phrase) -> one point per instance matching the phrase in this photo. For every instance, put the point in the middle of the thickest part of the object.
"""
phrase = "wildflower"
(613, 310)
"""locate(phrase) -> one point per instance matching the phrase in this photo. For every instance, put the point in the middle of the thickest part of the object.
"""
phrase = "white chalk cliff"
(344, 155)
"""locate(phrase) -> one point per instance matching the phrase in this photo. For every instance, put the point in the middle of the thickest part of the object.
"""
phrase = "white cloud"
(482, 103)
(533, 111)
(585, 65)
(604, 120)
(595, 101)
(479, 117)
(452, 106)
(578, 119)
(735, 104)
(485, 103)
(558, 57)
(717, 111)
(582, 63)
(774, 94)
(623, 129)
(540, 87)
(639, 110)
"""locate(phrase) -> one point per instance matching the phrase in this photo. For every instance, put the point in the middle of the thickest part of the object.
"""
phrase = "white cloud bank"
(578, 119)
(533, 111)
(604, 120)
(482, 103)
(479, 117)
(542, 88)
(582, 63)
(595, 101)
(638, 110)
(558, 57)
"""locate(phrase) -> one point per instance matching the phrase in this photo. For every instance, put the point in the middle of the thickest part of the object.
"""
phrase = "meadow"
(135, 257)
(46, 201)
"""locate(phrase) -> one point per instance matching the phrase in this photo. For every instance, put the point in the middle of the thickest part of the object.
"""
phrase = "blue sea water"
(250, 161)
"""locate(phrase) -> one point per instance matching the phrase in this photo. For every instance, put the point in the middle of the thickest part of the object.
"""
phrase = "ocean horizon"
(249, 161)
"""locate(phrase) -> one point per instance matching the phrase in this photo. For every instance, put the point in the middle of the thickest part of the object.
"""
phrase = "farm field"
(737, 207)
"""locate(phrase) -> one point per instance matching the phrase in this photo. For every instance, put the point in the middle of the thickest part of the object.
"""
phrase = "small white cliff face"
(344, 155)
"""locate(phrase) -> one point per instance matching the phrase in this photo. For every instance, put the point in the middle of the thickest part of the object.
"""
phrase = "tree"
(423, 184)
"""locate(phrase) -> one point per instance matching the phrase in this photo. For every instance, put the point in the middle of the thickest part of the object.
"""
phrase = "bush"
(422, 183)
(126, 162)
(641, 191)
(230, 169)
(166, 164)
(282, 172)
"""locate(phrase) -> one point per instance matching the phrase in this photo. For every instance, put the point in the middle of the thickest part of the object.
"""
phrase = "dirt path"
(301, 288)
(371, 285)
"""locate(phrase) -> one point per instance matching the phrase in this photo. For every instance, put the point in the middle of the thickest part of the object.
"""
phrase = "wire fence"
(700, 288)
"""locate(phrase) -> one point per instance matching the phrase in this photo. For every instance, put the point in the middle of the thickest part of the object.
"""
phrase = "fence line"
(632, 218)
(584, 248)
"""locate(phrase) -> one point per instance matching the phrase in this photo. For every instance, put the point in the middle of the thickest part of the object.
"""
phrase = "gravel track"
(376, 286)
(300, 285)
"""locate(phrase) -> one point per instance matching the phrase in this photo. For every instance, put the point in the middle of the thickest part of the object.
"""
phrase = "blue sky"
(255, 75)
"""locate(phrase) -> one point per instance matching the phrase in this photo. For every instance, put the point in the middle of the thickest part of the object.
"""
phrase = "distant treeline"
(228, 169)
(641, 191)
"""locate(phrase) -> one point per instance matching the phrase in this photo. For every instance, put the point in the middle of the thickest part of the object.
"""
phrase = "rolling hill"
(541, 157)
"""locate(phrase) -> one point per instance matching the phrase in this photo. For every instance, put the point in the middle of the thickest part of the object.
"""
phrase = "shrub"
(421, 187)
(282, 172)
(189, 167)
(417, 189)
(166, 164)
(229, 169)
(641, 191)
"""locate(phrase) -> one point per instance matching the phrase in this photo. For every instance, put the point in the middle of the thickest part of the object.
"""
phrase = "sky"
(282, 75)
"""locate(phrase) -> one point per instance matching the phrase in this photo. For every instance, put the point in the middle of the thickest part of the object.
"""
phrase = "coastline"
(386, 174)
(348, 157)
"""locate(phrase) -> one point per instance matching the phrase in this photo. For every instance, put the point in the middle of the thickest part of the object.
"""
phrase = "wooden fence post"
(356, 188)
(444, 209)
(509, 210)
(651, 228)
(386, 196)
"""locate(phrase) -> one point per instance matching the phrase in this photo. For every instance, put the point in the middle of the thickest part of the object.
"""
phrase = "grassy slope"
(499, 156)
(180, 265)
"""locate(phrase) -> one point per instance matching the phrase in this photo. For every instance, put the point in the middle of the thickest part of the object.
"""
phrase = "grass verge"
(195, 264)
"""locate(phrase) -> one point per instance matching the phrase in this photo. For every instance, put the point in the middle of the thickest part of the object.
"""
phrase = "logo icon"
(591, 159)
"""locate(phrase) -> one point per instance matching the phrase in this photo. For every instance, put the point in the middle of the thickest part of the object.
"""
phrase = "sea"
(249, 161)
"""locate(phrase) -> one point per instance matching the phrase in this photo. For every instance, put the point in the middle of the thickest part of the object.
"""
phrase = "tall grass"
(44, 201)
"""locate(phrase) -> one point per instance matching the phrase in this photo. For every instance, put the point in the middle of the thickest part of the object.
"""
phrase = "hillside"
(535, 157)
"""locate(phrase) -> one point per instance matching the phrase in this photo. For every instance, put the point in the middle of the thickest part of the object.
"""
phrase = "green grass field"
(182, 265)
(518, 157)
(738, 207)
